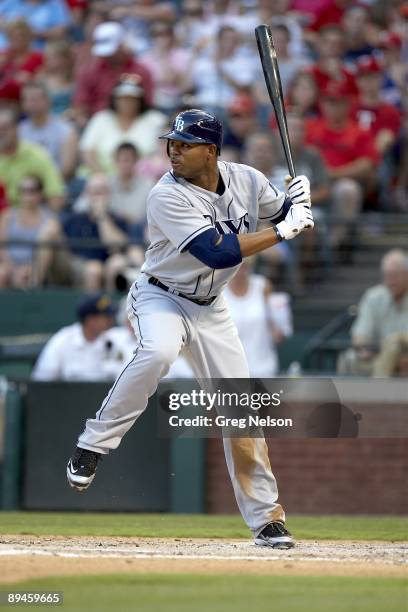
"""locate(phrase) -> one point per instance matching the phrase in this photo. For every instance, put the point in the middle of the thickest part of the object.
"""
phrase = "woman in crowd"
(57, 75)
(303, 96)
(263, 319)
(27, 222)
(128, 120)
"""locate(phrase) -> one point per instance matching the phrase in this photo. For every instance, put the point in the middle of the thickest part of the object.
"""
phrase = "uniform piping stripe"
(137, 316)
(228, 209)
(275, 214)
(212, 281)
(200, 229)
(116, 382)
(197, 283)
(138, 325)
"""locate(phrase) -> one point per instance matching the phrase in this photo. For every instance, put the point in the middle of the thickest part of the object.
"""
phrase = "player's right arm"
(225, 251)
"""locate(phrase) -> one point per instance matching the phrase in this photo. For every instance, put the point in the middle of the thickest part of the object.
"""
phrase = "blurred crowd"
(86, 88)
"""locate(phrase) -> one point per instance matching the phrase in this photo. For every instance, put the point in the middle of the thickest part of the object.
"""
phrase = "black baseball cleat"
(81, 468)
(275, 535)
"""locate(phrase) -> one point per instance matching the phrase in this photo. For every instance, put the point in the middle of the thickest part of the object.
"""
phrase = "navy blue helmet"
(195, 125)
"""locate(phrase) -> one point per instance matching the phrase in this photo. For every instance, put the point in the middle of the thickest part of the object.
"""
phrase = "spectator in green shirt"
(19, 159)
(380, 333)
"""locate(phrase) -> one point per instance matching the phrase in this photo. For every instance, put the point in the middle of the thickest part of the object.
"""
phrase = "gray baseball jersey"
(178, 211)
(167, 324)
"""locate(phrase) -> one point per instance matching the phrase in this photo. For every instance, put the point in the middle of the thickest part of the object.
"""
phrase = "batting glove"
(299, 190)
(298, 218)
(299, 193)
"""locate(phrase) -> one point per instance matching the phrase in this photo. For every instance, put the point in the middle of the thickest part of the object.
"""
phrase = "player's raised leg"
(161, 329)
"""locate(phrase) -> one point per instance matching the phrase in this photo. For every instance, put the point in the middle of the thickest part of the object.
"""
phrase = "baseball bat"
(270, 68)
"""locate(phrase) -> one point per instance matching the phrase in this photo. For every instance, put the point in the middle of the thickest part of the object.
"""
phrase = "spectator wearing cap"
(169, 65)
(129, 119)
(48, 19)
(240, 125)
(350, 156)
(330, 65)
(111, 62)
(18, 61)
(330, 13)
(394, 67)
(43, 128)
(382, 120)
(78, 351)
(19, 158)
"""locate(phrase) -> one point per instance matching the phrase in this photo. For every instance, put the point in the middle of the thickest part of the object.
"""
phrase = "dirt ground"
(26, 557)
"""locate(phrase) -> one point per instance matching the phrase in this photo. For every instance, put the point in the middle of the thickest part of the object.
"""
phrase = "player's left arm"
(274, 205)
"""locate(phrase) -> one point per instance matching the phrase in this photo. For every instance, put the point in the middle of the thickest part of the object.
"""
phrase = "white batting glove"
(299, 193)
(299, 190)
(294, 222)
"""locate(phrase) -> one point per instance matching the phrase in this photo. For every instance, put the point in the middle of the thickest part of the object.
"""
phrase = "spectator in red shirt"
(381, 120)
(3, 199)
(18, 63)
(330, 66)
(349, 153)
(111, 61)
(333, 13)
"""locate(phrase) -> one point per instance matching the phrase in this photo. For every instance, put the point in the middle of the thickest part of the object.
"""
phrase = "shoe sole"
(281, 543)
(78, 486)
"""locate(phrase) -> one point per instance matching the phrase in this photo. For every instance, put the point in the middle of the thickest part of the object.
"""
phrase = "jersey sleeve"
(176, 218)
(270, 199)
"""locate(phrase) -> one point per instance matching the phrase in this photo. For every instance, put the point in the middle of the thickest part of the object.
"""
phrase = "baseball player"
(202, 218)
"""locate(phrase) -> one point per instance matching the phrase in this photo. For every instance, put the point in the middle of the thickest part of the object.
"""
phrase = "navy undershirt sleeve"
(217, 251)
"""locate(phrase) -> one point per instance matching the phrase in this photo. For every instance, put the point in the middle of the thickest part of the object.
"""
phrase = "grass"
(386, 528)
(184, 593)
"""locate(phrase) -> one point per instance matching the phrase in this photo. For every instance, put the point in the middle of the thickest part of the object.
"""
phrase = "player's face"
(189, 160)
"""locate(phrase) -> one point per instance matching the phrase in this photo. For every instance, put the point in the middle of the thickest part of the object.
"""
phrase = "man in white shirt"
(78, 351)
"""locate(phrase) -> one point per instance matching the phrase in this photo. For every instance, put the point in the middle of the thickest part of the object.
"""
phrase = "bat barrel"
(270, 68)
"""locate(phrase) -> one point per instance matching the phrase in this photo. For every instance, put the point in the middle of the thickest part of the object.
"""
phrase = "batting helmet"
(195, 125)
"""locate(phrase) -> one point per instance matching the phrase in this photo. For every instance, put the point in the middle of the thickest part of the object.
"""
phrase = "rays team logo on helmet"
(178, 124)
(195, 125)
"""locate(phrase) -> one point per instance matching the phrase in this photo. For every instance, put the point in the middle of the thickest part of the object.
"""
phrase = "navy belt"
(204, 302)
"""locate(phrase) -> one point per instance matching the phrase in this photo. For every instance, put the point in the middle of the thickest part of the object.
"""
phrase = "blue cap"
(96, 303)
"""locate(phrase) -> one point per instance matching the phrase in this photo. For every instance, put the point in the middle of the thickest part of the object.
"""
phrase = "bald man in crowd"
(380, 332)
